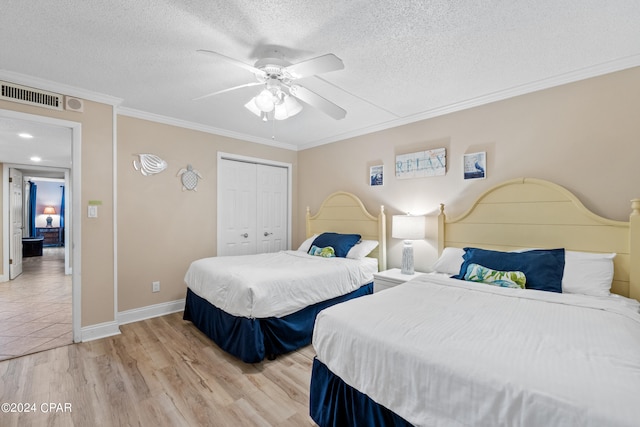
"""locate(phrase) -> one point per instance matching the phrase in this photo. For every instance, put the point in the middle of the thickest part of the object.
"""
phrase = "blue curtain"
(33, 190)
(62, 208)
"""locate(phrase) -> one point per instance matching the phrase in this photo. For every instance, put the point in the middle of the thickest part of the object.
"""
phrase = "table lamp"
(408, 227)
(49, 210)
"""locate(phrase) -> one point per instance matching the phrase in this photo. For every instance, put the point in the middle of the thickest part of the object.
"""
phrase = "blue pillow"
(341, 243)
(542, 267)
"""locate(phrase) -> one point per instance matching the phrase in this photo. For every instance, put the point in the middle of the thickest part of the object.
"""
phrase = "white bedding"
(275, 284)
(442, 352)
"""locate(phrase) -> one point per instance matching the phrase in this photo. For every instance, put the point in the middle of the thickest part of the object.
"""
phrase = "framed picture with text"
(421, 164)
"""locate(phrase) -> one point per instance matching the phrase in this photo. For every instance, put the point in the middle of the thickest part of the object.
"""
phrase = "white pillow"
(362, 249)
(306, 245)
(588, 273)
(450, 261)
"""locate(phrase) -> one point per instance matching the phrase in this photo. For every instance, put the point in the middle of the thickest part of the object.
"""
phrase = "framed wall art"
(475, 165)
(422, 164)
(376, 175)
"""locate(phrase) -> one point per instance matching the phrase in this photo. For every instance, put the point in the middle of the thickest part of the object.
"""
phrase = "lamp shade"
(251, 106)
(289, 107)
(264, 101)
(49, 210)
(408, 227)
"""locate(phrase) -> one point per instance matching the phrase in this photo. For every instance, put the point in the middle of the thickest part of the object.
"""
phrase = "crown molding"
(202, 128)
(558, 80)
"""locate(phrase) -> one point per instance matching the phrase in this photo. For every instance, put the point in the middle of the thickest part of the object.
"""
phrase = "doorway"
(57, 143)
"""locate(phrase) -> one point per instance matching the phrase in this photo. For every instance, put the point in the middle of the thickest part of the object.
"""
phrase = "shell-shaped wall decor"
(189, 177)
(149, 164)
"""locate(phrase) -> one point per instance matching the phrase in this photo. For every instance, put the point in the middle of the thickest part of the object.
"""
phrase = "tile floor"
(35, 307)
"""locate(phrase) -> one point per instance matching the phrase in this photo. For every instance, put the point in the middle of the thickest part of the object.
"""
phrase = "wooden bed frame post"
(634, 250)
(382, 246)
(441, 220)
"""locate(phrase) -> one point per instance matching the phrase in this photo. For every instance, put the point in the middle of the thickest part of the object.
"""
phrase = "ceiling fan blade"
(228, 90)
(251, 68)
(313, 66)
(315, 100)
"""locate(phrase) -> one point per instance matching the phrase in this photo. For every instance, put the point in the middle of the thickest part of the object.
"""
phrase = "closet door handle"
(245, 235)
(267, 234)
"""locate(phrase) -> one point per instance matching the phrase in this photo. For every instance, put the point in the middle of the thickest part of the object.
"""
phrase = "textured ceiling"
(404, 60)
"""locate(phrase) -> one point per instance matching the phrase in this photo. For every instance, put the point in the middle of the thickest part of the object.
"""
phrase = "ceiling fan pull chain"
(273, 129)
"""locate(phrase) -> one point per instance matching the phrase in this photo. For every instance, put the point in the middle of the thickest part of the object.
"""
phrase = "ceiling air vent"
(30, 96)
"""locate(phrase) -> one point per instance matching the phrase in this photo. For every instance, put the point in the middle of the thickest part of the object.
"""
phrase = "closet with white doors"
(253, 206)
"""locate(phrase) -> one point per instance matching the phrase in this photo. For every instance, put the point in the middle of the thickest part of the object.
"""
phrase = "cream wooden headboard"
(533, 213)
(343, 212)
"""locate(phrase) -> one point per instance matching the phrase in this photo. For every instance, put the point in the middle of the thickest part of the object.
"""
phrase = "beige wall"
(161, 228)
(97, 184)
(584, 136)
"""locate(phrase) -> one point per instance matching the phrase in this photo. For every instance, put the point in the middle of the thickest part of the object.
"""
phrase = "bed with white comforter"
(275, 284)
(438, 351)
(261, 305)
(256, 306)
(555, 347)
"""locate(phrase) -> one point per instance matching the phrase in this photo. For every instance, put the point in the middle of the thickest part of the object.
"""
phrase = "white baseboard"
(108, 329)
(138, 314)
(101, 330)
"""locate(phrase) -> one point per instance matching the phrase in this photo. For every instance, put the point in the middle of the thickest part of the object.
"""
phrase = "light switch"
(92, 211)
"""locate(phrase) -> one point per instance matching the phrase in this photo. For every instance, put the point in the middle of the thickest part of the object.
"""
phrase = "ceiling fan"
(278, 98)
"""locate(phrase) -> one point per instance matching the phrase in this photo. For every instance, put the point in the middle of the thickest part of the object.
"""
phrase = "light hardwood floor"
(158, 372)
(35, 307)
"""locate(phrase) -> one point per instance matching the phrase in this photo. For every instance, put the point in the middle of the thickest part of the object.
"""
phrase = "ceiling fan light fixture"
(264, 101)
(285, 106)
(280, 113)
(292, 105)
(289, 107)
(278, 77)
(251, 106)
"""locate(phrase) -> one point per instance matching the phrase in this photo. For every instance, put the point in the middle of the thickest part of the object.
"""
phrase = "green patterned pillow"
(327, 252)
(505, 279)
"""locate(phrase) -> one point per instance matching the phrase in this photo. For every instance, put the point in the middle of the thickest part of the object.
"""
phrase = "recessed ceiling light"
(25, 135)
(36, 159)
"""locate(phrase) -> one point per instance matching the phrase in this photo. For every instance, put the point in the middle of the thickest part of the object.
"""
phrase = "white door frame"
(72, 197)
(240, 158)
(15, 253)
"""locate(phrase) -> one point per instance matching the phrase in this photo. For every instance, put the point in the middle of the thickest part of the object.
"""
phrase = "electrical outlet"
(155, 287)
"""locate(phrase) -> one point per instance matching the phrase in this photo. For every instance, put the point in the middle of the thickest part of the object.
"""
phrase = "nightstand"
(52, 235)
(390, 278)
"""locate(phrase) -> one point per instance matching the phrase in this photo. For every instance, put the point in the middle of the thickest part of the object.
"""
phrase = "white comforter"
(275, 284)
(441, 352)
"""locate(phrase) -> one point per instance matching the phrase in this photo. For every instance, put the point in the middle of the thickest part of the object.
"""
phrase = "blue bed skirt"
(251, 340)
(333, 403)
